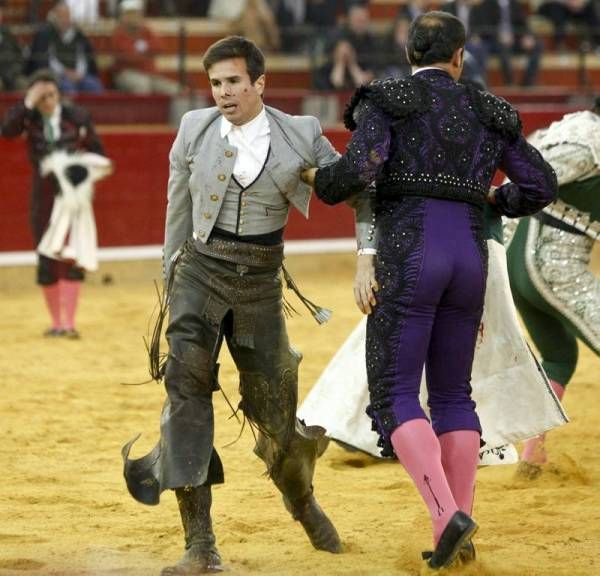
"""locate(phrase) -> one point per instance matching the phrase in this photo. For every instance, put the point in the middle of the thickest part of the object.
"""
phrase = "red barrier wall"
(130, 204)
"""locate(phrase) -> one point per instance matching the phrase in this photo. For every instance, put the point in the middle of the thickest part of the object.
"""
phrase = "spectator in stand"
(11, 58)
(134, 47)
(411, 8)
(394, 61)
(582, 13)
(354, 53)
(499, 27)
(63, 48)
(252, 19)
(303, 23)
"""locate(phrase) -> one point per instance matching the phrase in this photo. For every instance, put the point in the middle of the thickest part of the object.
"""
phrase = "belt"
(243, 253)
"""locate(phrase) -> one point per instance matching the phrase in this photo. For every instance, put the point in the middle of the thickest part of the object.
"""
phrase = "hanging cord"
(320, 314)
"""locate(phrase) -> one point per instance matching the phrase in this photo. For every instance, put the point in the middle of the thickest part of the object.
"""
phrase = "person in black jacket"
(50, 125)
(63, 48)
(11, 58)
(499, 27)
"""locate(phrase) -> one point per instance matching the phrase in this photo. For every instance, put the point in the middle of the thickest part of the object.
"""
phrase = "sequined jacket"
(427, 135)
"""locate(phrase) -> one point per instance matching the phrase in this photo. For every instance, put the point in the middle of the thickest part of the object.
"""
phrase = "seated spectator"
(582, 13)
(412, 8)
(499, 27)
(253, 19)
(303, 22)
(393, 62)
(63, 48)
(504, 30)
(11, 58)
(353, 54)
(134, 47)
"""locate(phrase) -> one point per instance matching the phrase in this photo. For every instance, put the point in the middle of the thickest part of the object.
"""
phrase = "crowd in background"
(345, 47)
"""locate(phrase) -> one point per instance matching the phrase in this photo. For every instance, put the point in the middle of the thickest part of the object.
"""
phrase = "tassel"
(320, 314)
(158, 359)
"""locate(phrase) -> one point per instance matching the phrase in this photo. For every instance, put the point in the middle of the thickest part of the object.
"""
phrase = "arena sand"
(65, 414)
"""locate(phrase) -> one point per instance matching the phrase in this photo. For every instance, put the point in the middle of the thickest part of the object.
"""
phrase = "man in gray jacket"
(234, 172)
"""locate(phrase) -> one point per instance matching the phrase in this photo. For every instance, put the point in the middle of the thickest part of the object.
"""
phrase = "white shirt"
(252, 141)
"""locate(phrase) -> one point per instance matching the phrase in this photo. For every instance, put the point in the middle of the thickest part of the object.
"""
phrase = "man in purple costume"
(432, 147)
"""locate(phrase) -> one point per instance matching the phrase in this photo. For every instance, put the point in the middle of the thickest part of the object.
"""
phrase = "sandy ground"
(65, 414)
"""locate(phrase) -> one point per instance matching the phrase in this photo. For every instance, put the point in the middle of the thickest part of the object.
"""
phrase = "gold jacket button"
(207, 215)
(228, 153)
(201, 234)
(214, 197)
(221, 177)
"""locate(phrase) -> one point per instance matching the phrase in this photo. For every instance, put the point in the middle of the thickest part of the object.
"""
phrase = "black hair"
(434, 37)
(236, 47)
(43, 75)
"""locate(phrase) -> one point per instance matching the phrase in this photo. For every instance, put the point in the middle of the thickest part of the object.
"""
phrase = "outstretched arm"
(367, 150)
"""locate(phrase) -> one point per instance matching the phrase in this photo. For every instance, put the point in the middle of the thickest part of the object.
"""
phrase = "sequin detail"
(398, 264)
(558, 265)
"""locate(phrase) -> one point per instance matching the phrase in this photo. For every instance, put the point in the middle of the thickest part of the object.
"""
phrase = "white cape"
(71, 232)
(514, 399)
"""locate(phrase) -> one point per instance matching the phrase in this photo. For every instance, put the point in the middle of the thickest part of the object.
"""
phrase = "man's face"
(238, 99)
(62, 17)
(49, 98)
(358, 19)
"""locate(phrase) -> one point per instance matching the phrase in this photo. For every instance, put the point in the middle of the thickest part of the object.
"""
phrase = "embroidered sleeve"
(367, 150)
(532, 183)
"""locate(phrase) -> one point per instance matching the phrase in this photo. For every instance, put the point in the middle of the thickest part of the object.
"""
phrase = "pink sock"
(534, 451)
(418, 448)
(52, 296)
(460, 456)
(69, 295)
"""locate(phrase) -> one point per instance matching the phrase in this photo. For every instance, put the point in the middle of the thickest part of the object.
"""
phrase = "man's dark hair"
(434, 37)
(43, 75)
(236, 47)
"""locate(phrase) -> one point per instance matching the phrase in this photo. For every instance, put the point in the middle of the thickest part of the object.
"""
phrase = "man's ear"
(259, 84)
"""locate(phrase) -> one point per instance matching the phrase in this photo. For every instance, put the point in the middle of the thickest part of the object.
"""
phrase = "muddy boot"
(201, 555)
(318, 527)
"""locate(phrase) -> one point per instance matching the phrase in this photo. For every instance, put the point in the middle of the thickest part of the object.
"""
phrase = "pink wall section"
(129, 205)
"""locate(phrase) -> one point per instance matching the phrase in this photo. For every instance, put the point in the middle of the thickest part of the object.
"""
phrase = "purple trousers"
(431, 269)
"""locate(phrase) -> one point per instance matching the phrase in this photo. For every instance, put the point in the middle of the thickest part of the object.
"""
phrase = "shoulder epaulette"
(495, 112)
(399, 98)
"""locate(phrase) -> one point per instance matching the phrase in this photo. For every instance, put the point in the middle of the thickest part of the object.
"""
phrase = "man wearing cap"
(134, 48)
(234, 173)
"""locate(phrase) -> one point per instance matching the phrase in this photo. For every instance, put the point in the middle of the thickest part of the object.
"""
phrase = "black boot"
(201, 555)
(318, 527)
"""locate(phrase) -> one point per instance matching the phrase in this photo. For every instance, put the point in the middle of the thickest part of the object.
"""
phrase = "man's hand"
(35, 93)
(365, 284)
(308, 176)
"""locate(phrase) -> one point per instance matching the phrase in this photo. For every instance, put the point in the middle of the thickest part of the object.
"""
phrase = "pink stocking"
(534, 451)
(460, 455)
(69, 295)
(52, 296)
(418, 448)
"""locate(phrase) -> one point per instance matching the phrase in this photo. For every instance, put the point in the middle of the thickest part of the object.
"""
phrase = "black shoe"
(467, 554)
(457, 534)
(71, 334)
(319, 529)
(54, 333)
